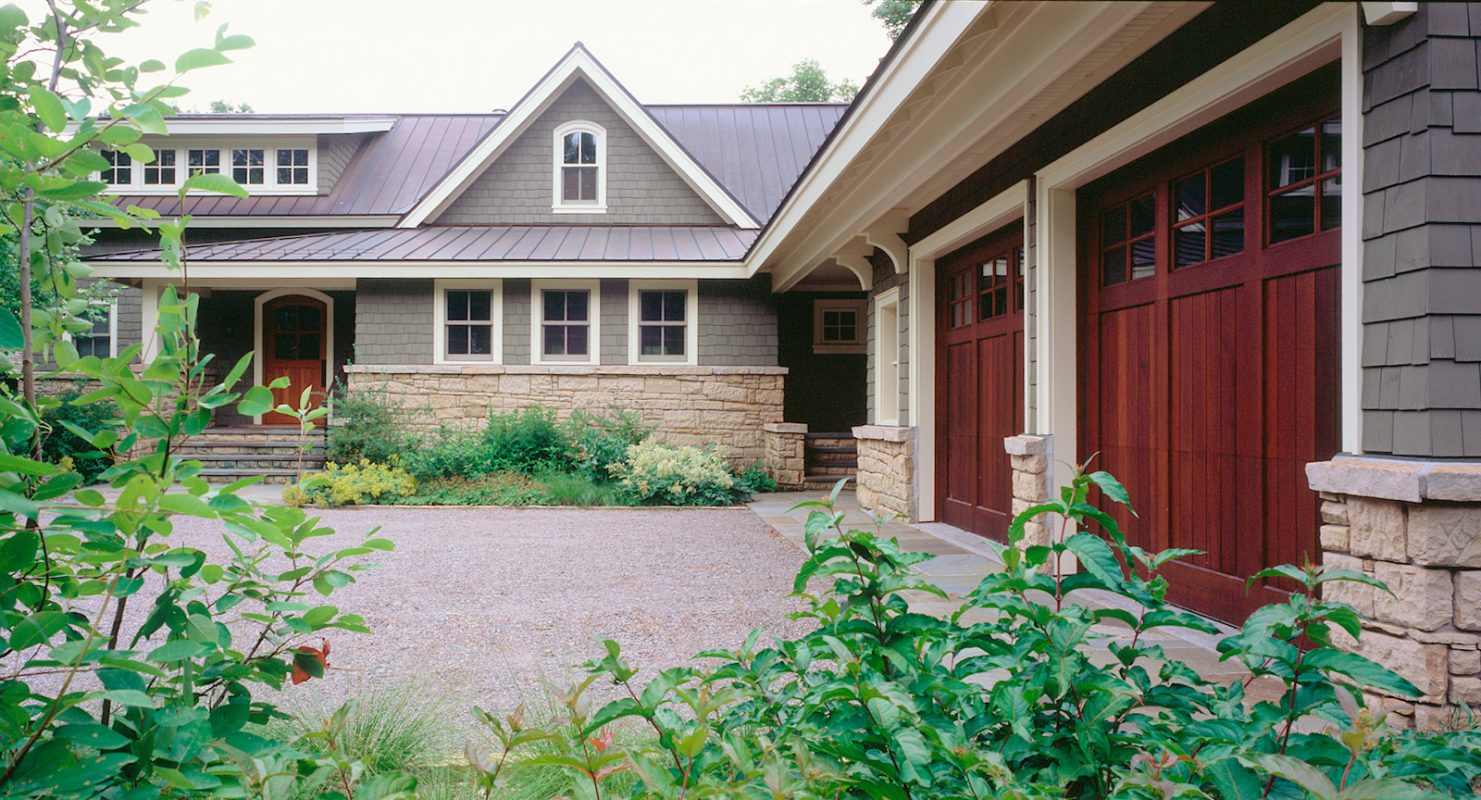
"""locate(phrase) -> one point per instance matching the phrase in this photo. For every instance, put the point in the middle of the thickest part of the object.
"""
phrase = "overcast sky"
(477, 55)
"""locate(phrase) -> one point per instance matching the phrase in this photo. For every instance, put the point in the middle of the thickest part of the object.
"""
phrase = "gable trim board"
(578, 63)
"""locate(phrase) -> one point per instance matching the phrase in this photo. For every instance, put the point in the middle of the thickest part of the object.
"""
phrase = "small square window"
(565, 324)
(203, 162)
(98, 341)
(293, 167)
(247, 166)
(838, 326)
(662, 327)
(121, 169)
(161, 171)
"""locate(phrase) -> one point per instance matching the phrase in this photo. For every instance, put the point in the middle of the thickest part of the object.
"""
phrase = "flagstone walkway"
(963, 559)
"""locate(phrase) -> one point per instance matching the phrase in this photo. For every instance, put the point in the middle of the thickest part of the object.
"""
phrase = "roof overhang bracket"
(854, 257)
(885, 234)
(1387, 13)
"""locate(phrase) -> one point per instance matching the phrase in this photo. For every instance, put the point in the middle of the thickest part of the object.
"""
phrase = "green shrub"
(578, 490)
(1007, 697)
(368, 424)
(528, 441)
(357, 484)
(598, 441)
(663, 474)
(60, 442)
(395, 729)
(453, 452)
(499, 489)
(754, 480)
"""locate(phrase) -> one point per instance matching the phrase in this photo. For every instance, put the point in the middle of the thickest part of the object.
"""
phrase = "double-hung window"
(662, 322)
(565, 322)
(580, 160)
(98, 341)
(468, 322)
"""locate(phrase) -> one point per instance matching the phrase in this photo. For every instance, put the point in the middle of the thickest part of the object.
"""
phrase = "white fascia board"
(943, 24)
(203, 221)
(578, 63)
(249, 270)
(235, 125)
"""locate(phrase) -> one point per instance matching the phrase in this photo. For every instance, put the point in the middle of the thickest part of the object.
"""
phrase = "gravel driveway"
(478, 606)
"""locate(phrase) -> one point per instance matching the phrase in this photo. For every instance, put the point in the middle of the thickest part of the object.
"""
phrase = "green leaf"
(49, 108)
(1294, 770)
(178, 650)
(11, 336)
(310, 663)
(186, 504)
(1097, 557)
(1112, 489)
(217, 182)
(199, 58)
(257, 400)
(1364, 671)
(25, 466)
(129, 697)
(1386, 789)
(36, 629)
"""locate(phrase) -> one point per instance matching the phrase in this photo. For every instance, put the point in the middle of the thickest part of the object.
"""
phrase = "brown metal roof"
(565, 243)
(756, 152)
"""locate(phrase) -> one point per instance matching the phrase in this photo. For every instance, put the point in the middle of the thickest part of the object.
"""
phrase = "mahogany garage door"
(1210, 369)
(979, 391)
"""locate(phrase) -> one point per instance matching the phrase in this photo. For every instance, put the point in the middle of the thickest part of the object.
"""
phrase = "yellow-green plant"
(655, 472)
(357, 484)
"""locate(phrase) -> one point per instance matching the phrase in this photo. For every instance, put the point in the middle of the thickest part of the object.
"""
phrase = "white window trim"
(691, 322)
(112, 306)
(886, 363)
(496, 314)
(537, 323)
(558, 204)
(269, 148)
(861, 335)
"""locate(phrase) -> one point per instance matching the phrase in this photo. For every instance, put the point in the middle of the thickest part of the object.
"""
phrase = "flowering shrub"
(365, 483)
(1003, 698)
(597, 441)
(678, 476)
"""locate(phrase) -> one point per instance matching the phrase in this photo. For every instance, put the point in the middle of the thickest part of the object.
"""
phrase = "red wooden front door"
(979, 380)
(1210, 346)
(294, 335)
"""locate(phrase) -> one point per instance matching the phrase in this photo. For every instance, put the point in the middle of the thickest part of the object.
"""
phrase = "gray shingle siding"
(886, 279)
(1421, 350)
(129, 314)
(614, 322)
(516, 321)
(335, 152)
(518, 187)
(393, 321)
(737, 323)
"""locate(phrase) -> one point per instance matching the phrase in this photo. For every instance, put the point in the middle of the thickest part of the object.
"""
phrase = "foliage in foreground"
(1002, 699)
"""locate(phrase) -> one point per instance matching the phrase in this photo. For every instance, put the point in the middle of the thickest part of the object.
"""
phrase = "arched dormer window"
(580, 164)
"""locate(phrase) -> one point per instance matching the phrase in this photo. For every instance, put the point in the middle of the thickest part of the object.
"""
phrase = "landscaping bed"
(520, 458)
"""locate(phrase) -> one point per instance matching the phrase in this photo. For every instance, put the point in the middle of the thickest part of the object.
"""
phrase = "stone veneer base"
(886, 471)
(1416, 526)
(729, 406)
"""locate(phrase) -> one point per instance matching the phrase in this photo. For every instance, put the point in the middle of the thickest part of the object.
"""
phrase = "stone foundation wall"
(886, 472)
(1029, 456)
(786, 456)
(1416, 526)
(729, 406)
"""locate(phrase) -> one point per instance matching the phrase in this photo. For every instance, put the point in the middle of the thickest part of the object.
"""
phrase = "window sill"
(839, 349)
(171, 191)
(594, 209)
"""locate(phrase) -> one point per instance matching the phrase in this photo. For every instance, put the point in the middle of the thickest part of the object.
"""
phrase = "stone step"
(230, 474)
(238, 461)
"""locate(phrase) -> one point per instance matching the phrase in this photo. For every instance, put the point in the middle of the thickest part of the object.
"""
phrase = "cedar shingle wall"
(335, 152)
(517, 187)
(393, 321)
(737, 323)
(1422, 234)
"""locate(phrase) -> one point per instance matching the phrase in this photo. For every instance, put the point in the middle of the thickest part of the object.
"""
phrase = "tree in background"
(893, 14)
(228, 107)
(808, 83)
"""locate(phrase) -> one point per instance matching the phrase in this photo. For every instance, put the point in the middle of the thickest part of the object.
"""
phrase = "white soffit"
(578, 63)
(1004, 78)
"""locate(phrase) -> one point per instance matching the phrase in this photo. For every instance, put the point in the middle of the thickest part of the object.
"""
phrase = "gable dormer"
(578, 148)
(579, 162)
